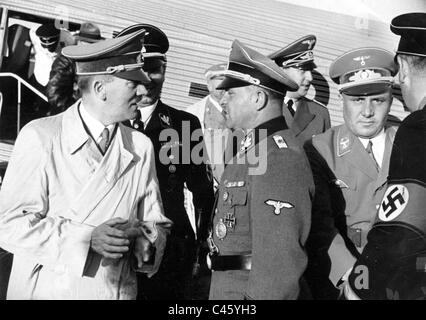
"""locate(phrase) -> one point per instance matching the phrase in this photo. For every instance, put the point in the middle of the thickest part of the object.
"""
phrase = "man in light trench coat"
(80, 206)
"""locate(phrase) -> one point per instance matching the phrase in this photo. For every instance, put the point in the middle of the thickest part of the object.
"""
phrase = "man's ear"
(260, 98)
(404, 69)
(98, 87)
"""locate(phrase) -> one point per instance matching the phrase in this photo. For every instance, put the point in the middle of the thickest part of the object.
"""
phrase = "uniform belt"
(223, 263)
(358, 236)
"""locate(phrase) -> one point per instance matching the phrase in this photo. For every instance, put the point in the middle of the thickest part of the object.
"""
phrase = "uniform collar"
(273, 125)
(253, 137)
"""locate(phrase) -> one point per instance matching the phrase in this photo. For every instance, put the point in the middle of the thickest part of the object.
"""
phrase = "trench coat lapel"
(351, 149)
(302, 117)
(113, 164)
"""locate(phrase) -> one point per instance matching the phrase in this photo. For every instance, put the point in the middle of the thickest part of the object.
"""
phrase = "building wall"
(201, 32)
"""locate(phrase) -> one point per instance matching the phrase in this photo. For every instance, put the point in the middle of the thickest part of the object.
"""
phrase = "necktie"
(369, 150)
(103, 144)
(137, 122)
(290, 107)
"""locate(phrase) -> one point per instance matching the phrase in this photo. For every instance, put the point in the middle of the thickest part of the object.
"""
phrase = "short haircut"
(84, 82)
(417, 62)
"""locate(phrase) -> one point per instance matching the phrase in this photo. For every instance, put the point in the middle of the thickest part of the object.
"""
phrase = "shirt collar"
(94, 126)
(146, 112)
(377, 140)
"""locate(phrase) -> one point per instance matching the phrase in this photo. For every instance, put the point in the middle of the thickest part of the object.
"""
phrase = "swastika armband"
(404, 204)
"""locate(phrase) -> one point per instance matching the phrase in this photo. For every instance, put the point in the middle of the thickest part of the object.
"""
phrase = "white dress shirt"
(94, 126)
(146, 114)
(378, 146)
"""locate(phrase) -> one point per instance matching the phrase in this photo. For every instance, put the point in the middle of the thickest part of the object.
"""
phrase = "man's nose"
(223, 100)
(308, 75)
(141, 90)
(368, 109)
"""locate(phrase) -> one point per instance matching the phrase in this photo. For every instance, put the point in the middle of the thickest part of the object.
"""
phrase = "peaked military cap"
(363, 71)
(412, 29)
(249, 67)
(48, 34)
(121, 57)
(297, 54)
(156, 42)
(215, 70)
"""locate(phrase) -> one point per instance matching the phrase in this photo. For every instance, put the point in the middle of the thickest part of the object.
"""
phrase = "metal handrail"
(29, 86)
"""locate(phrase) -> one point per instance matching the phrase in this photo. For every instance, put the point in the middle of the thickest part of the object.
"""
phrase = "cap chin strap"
(154, 55)
(246, 78)
(304, 57)
(344, 86)
(241, 76)
(114, 69)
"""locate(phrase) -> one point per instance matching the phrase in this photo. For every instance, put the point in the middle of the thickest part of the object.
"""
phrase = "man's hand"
(144, 252)
(108, 240)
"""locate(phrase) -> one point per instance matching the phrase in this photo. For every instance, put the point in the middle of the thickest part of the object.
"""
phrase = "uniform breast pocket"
(344, 182)
(238, 197)
(348, 187)
(238, 217)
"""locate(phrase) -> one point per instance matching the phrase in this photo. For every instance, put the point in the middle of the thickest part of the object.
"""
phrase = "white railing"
(20, 83)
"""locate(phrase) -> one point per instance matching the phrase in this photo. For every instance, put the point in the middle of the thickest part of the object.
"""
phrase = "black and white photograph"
(181, 151)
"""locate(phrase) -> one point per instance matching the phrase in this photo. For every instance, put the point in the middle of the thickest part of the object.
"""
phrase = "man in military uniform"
(262, 216)
(392, 265)
(48, 41)
(304, 116)
(350, 164)
(175, 166)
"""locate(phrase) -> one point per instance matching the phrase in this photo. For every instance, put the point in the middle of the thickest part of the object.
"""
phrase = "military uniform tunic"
(311, 118)
(348, 191)
(265, 215)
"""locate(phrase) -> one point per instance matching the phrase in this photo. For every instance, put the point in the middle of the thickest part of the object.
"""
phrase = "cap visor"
(153, 62)
(229, 82)
(309, 66)
(90, 40)
(134, 75)
(367, 89)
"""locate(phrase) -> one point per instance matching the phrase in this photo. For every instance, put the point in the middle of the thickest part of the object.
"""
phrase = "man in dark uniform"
(175, 166)
(350, 163)
(392, 265)
(262, 217)
(304, 116)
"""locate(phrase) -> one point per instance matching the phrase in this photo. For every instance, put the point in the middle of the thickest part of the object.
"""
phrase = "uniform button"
(225, 196)
(172, 168)
(377, 206)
